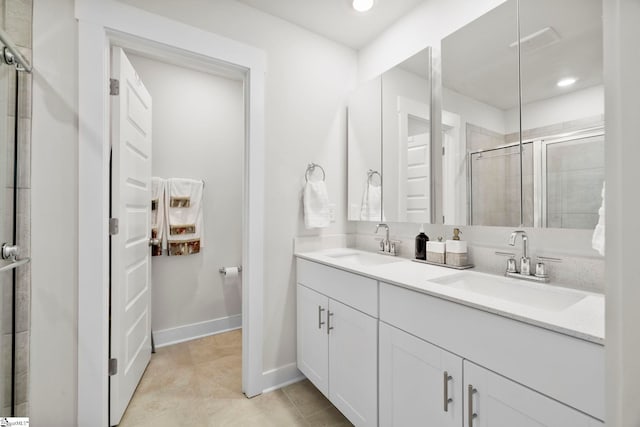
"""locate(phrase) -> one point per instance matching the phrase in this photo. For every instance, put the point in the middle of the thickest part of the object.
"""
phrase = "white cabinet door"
(313, 350)
(494, 401)
(420, 384)
(353, 363)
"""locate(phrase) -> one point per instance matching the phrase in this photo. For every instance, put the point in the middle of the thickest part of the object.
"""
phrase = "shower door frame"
(539, 150)
(100, 24)
(540, 145)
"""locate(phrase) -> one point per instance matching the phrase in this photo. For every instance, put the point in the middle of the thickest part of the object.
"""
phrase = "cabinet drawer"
(567, 369)
(356, 291)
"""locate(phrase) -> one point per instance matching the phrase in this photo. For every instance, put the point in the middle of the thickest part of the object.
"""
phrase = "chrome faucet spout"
(386, 246)
(386, 229)
(524, 261)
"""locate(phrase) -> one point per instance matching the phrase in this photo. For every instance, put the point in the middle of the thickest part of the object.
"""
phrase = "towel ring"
(310, 168)
(370, 174)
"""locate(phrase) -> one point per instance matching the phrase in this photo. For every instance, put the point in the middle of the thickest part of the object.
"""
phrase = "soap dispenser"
(457, 250)
(421, 244)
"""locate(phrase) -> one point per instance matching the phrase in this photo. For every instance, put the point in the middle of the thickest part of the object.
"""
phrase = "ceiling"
(336, 19)
(477, 60)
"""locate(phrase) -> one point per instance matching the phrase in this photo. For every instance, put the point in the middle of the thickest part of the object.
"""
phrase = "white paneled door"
(130, 254)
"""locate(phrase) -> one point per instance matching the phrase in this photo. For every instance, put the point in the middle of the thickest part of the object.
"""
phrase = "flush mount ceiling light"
(362, 5)
(566, 82)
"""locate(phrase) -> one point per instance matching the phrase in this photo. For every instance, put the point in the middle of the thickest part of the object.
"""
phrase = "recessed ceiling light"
(566, 82)
(362, 5)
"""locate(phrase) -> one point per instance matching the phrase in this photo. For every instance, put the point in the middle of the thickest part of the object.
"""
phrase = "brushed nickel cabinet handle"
(329, 327)
(445, 379)
(471, 415)
(320, 322)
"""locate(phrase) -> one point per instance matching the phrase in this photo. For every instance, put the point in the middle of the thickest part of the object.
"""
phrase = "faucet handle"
(547, 258)
(511, 262)
(509, 254)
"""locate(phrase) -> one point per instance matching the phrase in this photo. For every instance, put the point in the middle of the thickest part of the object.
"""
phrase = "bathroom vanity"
(391, 342)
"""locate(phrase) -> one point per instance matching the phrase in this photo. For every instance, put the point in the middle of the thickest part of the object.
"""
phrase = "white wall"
(474, 112)
(198, 133)
(308, 82)
(576, 105)
(54, 218)
(621, 70)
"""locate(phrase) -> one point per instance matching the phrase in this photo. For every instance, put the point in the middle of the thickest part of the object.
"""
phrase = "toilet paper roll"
(231, 275)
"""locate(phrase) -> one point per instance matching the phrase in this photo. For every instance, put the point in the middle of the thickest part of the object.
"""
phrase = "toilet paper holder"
(223, 270)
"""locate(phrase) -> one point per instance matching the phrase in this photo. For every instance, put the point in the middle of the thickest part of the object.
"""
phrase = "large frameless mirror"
(364, 153)
(525, 145)
(480, 108)
(407, 149)
(562, 112)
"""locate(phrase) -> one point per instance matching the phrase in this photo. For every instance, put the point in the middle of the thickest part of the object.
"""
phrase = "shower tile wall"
(16, 19)
(495, 200)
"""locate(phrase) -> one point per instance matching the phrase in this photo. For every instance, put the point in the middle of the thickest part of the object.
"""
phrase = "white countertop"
(583, 319)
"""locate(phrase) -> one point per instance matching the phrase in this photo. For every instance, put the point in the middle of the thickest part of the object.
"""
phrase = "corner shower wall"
(16, 20)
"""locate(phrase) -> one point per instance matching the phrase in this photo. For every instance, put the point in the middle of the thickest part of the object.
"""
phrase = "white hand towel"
(597, 241)
(371, 207)
(316, 205)
(183, 206)
(157, 214)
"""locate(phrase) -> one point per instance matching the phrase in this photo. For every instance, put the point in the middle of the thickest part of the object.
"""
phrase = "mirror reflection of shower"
(562, 176)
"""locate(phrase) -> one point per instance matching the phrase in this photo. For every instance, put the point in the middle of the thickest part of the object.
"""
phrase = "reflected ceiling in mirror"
(480, 90)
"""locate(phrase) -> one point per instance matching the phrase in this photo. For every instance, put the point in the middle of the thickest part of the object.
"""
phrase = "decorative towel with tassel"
(597, 241)
(157, 214)
(316, 205)
(183, 207)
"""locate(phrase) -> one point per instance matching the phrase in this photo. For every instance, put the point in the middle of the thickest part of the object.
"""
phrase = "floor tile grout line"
(284, 390)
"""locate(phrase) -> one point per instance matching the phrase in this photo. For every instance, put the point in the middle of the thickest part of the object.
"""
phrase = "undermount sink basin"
(362, 258)
(540, 296)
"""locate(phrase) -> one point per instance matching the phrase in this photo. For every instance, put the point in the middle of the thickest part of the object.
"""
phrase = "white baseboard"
(184, 333)
(280, 377)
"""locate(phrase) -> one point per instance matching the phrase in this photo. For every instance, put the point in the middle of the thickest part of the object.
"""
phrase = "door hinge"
(114, 87)
(113, 226)
(443, 151)
(113, 366)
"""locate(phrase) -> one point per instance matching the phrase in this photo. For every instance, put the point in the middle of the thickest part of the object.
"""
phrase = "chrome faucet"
(540, 274)
(387, 247)
(525, 261)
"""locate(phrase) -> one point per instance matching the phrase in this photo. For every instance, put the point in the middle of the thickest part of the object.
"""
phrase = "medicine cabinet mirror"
(407, 149)
(364, 153)
(389, 145)
(520, 139)
(555, 177)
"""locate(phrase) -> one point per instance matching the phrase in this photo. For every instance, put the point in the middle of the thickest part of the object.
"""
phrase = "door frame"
(100, 24)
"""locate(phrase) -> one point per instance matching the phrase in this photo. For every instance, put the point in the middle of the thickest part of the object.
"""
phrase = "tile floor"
(197, 383)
